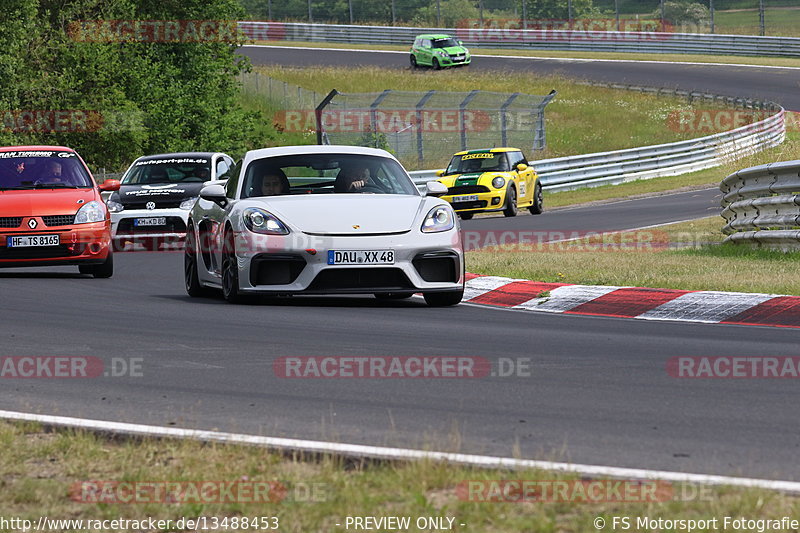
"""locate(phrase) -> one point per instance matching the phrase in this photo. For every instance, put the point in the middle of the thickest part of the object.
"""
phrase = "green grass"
(39, 468)
(778, 22)
(677, 256)
(579, 119)
(699, 58)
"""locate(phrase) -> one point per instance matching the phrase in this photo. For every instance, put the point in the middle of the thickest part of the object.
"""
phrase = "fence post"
(461, 122)
(711, 9)
(419, 106)
(318, 113)
(503, 121)
(539, 136)
(373, 114)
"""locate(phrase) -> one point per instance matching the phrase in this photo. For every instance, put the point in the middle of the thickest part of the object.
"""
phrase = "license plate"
(156, 221)
(468, 198)
(360, 257)
(29, 241)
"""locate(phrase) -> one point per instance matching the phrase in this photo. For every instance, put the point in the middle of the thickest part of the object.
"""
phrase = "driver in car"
(353, 179)
(274, 183)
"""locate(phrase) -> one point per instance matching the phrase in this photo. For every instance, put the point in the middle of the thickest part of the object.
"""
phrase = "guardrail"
(762, 205)
(542, 39)
(619, 166)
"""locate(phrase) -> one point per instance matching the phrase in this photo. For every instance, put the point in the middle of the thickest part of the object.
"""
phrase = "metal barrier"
(762, 205)
(594, 41)
(619, 166)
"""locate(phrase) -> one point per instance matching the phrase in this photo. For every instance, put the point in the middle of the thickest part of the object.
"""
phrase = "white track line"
(564, 59)
(380, 452)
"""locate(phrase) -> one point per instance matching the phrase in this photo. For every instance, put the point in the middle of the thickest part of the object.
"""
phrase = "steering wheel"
(372, 188)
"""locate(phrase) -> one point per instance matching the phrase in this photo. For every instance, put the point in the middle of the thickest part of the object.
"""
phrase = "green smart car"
(438, 51)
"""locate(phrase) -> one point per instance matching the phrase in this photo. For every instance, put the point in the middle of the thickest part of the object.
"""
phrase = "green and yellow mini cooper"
(496, 179)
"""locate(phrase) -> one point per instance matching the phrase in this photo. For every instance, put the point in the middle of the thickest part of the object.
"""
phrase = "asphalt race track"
(598, 390)
(776, 84)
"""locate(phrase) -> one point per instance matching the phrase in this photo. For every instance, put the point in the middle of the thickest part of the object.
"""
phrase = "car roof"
(35, 148)
(484, 150)
(315, 149)
(177, 155)
(434, 36)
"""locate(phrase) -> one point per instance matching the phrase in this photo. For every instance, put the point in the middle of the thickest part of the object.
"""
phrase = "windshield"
(481, 162)
(40, 169)
(445, 43)
(168, 170)
(326, 174)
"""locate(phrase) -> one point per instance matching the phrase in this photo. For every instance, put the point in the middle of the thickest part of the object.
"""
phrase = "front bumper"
(285, 264)
(452, 61)
(80, 244)
(122, 225)
(487, 202)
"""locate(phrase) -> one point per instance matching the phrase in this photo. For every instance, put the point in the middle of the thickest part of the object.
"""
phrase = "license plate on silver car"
(31, 241)
(360, 257)
(152, 221)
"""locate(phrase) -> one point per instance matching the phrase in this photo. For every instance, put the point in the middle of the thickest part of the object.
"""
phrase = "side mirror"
(522, 166)
(461, 43)
(435, 188)
(214, 193)
(440, 173)
(109, 185)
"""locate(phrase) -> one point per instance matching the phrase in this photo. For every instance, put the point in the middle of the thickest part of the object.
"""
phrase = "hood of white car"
(354, 214)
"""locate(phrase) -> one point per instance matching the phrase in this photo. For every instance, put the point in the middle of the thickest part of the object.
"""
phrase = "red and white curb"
(712, 307)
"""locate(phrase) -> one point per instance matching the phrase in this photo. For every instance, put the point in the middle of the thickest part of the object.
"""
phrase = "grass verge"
(677, 256)
(555, 54)
(40, 470)
(577, 119)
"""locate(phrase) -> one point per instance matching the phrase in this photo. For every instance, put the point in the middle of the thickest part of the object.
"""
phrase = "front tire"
(435, 64)
(413, 61)
(103, 270)
(443, 299)
(230, 273)
(511, 202)
(191, 276)
(538, 201)
(466, 216)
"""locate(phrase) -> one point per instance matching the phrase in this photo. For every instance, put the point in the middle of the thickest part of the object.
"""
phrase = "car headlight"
(260, 221)
(440, 218)
(498, 182)
(91, 212)
(188, 204)
(114, 206)
(441, 53)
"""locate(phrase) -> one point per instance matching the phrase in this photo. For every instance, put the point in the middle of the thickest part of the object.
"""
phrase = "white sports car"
(323, 220)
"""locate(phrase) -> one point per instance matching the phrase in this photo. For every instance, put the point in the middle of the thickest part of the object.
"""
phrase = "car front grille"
(58, 220)
(480, 204)
(437, 266)
(47, 252)
(10, 222)
(173, 225)
(367, 279)
(467, 189)
(160, 204)
(275, 269)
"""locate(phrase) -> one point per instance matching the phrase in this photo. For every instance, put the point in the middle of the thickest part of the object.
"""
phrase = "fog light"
(94, 248)
(496, 201)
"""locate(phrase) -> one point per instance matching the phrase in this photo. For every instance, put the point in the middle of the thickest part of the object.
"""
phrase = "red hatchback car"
(51, 211)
